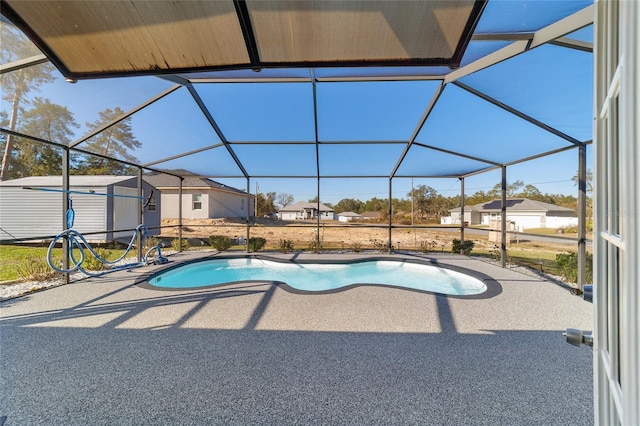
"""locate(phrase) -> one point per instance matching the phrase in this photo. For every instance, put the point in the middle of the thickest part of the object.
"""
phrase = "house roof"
(514, 204)
(164, 181)
(301, 205)
(74, 180)
(371, 214)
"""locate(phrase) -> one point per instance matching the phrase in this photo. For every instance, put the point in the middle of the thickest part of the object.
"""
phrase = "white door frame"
(617, 202)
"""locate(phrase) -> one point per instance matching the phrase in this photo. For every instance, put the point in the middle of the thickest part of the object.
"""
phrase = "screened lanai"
(311, 96)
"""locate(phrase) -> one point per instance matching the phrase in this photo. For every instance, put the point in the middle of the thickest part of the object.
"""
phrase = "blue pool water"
(320, 277)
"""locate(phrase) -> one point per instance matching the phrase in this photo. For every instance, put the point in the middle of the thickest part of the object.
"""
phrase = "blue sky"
(551, 84)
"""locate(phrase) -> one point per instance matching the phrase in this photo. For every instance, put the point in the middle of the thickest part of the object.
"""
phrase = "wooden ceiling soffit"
(90, 39)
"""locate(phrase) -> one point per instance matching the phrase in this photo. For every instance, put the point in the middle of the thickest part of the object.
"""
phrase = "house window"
(196, 201)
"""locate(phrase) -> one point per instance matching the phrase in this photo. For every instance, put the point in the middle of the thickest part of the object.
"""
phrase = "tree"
(376, 205)
(316, 200)
(530, 191)
(478, 197)
(48, 121)
(16, 85)
(423, 197)
(512, 189)
(266, 202)
(576, 179)
(283, 199)
(348, 205)
(116, 141)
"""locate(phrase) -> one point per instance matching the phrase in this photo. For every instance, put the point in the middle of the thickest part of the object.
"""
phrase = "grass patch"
(13, 258)
(540, 260)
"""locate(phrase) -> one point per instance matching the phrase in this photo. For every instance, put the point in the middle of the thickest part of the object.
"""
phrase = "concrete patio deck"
(107, 351)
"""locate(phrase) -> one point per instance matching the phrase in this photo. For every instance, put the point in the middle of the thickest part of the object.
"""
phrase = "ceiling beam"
(416, 131)
(502, 36)
(565, 26)
(81, 151)
(570, 43)
(547, 34)
(184, 154)
(244, 19)
(207, 114)
(518, 113)
(23, 63)
(457, 154)
(123, 116)
(503, 54)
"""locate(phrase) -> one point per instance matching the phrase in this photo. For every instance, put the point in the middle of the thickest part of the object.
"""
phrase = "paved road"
(523, 237)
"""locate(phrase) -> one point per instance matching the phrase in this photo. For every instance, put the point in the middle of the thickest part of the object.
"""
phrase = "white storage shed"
(31, 207)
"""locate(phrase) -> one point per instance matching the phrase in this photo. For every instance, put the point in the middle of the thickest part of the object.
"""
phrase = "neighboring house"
(303, 210)
(100, 203)
(523, 212)
(348, 216)
(202, 198)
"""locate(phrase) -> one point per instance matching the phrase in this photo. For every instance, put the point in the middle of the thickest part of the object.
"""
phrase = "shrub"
(567, 265)
(315, 246)
(91, 263)
(495, 252)
(428, 246)
(175, 245)
(151, 242)
(285, 246)
(256, 243)
(34, 268)
(466, 247)
(356, 247)
(378, 244)
(220, 242)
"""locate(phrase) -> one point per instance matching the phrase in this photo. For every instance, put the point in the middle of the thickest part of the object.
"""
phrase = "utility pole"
(415, 237)
(255, 209)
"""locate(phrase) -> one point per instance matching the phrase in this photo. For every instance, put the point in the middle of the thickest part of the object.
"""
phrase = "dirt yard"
(336, 235)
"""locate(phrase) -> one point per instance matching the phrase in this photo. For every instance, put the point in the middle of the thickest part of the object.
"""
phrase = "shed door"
(125, 211)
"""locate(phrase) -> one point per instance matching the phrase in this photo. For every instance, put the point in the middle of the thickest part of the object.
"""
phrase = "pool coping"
(493, 286)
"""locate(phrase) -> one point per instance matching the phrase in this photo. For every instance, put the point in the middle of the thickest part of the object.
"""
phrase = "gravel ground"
(105, 351)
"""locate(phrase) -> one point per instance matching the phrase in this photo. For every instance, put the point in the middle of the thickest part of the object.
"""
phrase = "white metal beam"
(23, 63)
(563, 27)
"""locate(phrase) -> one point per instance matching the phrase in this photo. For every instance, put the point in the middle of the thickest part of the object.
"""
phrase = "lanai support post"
(318, 217)
(503, 216)
(140, 214)
(180, 214)
(389, 244)
(246, 243)
(461, 215)
(582, 216)
(65, 207)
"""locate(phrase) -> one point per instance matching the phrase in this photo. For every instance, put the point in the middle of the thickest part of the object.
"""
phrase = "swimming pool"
(319, 277)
